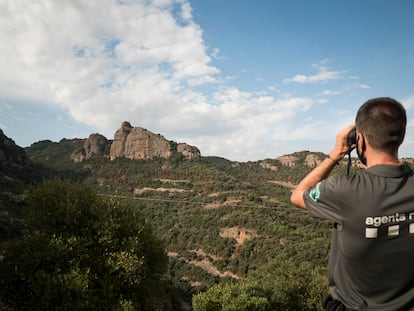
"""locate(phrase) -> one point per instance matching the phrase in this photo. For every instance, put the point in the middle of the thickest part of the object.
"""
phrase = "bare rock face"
(94, 146)
(143, 144)
(288, 160)
(120, 137)
(139, 143)
(312, 160)
(189, 152)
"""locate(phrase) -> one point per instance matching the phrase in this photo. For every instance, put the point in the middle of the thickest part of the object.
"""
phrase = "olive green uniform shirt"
(371, 263)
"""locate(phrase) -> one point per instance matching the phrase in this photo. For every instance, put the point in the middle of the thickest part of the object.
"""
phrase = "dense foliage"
(280, 284)
(191, 204)
(233, 240)
(81, 252)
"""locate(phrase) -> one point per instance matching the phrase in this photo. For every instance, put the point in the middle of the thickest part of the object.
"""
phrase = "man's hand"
(341, 145)
(324, 169)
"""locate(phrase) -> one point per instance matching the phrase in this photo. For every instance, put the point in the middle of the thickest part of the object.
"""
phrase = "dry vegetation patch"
(205, 263)
(207, 266)
(160, 189)
(240, 235)
(213, 205)
(286, 184)
(202, 253)
(172, 254)
(269, 199)
(174, 181)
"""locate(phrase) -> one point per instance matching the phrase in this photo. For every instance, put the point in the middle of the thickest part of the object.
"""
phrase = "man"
(371, 263)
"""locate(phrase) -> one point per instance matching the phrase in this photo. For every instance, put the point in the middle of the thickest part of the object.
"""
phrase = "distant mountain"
(129, 142)
(16, 169)
(220, 220)
(10, 153)
(55, 155)
(138, 143)
(95, 146)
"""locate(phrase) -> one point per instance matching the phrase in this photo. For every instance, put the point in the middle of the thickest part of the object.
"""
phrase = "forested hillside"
(231, 236)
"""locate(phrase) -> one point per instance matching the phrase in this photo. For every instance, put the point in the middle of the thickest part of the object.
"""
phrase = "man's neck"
(380, 158)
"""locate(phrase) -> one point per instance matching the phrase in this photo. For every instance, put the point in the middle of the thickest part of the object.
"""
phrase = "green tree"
(279, 285)
(243, 296)
(292, 285)
(80, 251)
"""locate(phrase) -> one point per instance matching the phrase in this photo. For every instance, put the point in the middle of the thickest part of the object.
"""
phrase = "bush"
(242, 296)
(82, 252)
(279, 285)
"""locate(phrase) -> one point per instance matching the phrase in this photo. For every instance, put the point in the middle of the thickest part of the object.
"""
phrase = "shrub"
(80, 251)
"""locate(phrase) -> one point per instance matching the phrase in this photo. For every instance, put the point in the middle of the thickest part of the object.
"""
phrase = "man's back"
(372, 252)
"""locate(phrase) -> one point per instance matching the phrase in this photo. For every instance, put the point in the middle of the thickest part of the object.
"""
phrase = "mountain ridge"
(220, 220)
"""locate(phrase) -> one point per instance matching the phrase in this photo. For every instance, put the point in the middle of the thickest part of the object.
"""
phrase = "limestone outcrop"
(94, 146)
(138, 143)
(189, 152)
(120, 137)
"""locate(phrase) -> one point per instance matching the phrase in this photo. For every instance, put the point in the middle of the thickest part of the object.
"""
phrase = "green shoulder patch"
(315, 192)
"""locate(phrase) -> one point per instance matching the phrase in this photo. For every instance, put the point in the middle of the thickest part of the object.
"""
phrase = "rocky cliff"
(16, 169)
(94, 146)
(297, 159)
(189, 152)
(129, 142)
(138, 143)
(10, 153)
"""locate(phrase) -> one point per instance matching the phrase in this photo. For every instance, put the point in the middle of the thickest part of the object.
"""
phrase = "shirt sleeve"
(323, 200)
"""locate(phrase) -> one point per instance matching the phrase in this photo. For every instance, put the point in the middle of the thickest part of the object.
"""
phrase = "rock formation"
(138, 143)
(94, 146)
(16, 169)
(312, 160)
(288, 160)
(188, 151)
(120, 137)
(10, 153)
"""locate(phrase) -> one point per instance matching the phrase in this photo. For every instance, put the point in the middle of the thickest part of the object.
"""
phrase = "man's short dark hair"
(382, 121)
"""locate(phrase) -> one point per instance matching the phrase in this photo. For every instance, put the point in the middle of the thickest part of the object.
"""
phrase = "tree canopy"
(80, 251)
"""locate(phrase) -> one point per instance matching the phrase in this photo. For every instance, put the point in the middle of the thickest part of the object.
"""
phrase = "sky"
(240, 79)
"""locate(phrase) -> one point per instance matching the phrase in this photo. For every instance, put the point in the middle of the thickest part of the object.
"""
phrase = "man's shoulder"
(390, 170)
(341, 179)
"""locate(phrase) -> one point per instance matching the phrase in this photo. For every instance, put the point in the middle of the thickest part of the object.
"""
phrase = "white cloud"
(324, 74)
(55, 49)
(408, 102)
(363, 86)
(186, 11)
(329, 93)
(144, 61)
(97, 56)
(216, 54)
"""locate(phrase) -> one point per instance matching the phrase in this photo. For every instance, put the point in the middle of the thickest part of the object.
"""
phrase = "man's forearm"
(319, 173)
(325, 168)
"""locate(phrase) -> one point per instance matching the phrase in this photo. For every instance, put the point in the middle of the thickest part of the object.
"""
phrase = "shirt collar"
(390, 170)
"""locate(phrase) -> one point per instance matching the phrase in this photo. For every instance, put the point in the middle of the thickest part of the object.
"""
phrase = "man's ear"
(361, 148)
(361, 141)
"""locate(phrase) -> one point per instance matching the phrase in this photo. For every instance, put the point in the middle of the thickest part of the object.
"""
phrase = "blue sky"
(244, 80)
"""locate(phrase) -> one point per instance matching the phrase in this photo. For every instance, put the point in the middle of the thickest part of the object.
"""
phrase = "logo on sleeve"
(315, 192)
